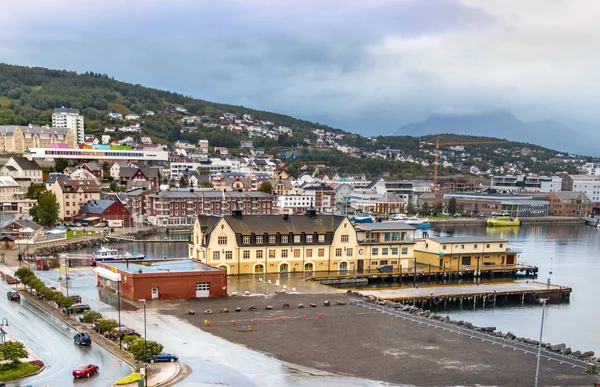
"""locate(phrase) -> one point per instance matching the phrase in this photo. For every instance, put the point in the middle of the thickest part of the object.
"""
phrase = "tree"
(410, 209)
(107, 324)
(425, 209)
(60, 164)
(64, 302)
(452, 206)
(114, 186)
(90, 316)
(35, 190)
(206, 184)
(13, 351)
(183, 182)
(143, 350)
(23, 272)
(106, 169)
(266, 187)
(439, 208)
(47, 209)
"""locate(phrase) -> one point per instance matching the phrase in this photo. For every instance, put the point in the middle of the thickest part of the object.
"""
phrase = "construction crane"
(437, 145)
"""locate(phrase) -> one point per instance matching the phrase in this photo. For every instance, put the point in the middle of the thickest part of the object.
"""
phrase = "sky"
(367, 66)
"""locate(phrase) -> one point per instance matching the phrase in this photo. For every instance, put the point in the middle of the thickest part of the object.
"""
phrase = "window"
(229, 254)
(475, 246)
(487, 246)
(383, 262)
(309, 239)
(296, 238)
(284, 253)
(246, 240)
(259, 239)
(308, 253)
(259, 254)
(321, 238)
(500, 245)
(271, 253)
(373, 263)
(321, 252)
(216, 255)
(349, 252)
(394, 251)
(404, 250)
(462, 247)
(284, 239)
(384, 251)
(394, 262)
(338, 252)
(443, 247)
(375, 251)
(222, 240)
(297, 253)
(272, 239)
(246, 254)
(345, 238)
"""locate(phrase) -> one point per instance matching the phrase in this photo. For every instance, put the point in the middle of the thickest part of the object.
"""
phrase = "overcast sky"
(362, 65)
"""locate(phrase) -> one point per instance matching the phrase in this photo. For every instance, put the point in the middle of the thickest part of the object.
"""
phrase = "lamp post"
(2, 325)
(119, 309)
(145, 344)
(537, 367)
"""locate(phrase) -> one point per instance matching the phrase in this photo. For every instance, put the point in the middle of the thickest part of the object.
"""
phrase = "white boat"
(363, 217)
(398, 217)
(418, 222)
(106, 254)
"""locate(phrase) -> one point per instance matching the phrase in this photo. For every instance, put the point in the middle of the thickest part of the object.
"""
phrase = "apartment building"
(72, 194)
(565, 203)
(69, 118)
(23, 171)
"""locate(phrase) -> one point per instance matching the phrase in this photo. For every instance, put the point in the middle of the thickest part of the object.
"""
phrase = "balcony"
(368, 241)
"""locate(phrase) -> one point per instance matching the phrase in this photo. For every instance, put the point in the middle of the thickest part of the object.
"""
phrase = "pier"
(476, 295)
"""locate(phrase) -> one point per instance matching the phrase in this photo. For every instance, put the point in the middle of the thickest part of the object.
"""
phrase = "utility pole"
(537, 367)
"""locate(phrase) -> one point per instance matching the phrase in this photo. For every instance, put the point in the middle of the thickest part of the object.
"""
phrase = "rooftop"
(387, 226)
(467, 239)
(161, 266)
(272, 224)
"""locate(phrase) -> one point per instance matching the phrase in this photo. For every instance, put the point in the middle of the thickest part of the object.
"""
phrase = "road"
(214, 361)
(52, 342)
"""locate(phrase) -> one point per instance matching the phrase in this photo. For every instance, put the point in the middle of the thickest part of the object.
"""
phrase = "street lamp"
(119, 309)
(145, 344)
(537, 367)
(2, 325)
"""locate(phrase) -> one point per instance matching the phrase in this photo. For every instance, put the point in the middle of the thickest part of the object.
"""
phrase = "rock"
(488, 329)
(530, 341)
(586, 354)
(468, 325)
(208, 311)
(340, 303)
(313, 305)
(191, 312)
(252, 307)
(286, 306)
(268, 307)
(326, 303)
(349, 292)
(566, 351)
(381, 303)
(238, 308)
(405, 308)
(560, 347)
(224, 310)
(499, 334)
(300, 306)
(234, 293)
(510, 336)
(576, 353)
(446, 319)
(437, 317)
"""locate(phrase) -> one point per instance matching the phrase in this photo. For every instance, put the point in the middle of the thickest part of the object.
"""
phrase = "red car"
(85, 370)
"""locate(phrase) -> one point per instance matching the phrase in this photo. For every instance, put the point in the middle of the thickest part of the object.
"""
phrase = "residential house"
(12, 198)
(132, 116)
(148, 174)
(568, 203)
(24, 172)
(94, 168)
(102, 210)
(115, 116)
(138, 204)
(82, 174)
(72, 194)
(22, 229)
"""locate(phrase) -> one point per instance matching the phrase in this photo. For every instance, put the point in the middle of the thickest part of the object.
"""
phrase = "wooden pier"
(476, 295)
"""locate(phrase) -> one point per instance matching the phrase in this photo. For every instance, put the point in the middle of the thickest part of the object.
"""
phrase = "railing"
(392, 241)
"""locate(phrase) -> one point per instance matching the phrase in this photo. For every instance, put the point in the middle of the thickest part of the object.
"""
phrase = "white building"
(69, 118)
(96, 154)
(553, 185)
(105, 139)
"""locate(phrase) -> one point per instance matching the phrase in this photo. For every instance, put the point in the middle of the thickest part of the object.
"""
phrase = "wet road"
(214, 361)
(52, 342)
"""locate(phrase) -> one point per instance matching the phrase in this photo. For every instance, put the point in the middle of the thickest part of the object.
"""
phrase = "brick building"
(181, 207)
(102, 210)
(566, 203)
(162, 279)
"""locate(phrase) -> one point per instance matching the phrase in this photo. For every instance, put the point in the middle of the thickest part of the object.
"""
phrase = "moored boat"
(106, 254)
(417, 222)
(363, 217)
(503, 220)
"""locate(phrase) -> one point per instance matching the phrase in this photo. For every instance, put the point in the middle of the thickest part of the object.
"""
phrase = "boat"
(363, 217)
(417, 222)
(502, 220)
(106, 254)
(385, 268)
(398, 217)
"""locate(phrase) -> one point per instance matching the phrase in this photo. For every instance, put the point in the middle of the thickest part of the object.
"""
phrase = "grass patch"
(131, 378)
(78, 233)
(36, 88)
(10, 372)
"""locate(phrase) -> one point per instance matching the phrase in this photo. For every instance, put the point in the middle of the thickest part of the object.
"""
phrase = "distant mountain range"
(503, 124)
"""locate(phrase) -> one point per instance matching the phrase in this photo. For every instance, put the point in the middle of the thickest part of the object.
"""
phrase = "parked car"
(76, 298)
(82, 338)
(77, 308)
(161, 357)
(77, 224)
(100, 224)
(85, 370)
(84, 224)
(13, 296)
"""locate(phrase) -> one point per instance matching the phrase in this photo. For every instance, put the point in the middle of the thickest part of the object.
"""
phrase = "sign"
(120, 362)
(142, 371)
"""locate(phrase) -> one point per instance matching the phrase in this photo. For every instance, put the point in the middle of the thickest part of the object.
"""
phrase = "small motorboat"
(106, 254)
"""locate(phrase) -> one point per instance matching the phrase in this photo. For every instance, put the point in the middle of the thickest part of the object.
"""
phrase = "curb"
(166, 382)
(36, 303)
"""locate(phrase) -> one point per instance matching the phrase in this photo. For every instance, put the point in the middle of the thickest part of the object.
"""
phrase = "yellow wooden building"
(385, 244)
(16, 139)
(464, 253)
(256, 244)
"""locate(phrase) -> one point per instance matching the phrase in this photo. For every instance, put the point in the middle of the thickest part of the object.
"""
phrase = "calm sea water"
(572, 253)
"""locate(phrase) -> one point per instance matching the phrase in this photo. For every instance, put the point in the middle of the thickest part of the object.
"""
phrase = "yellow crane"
(437, 145)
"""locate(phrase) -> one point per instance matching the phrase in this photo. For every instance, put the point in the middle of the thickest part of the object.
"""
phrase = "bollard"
(249, 328)
(305, 316)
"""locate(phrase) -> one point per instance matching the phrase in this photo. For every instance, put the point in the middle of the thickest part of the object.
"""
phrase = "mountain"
(503, 124)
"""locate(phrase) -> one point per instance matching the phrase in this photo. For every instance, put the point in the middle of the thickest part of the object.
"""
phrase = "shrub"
(132, 378)
(13, 351)
(36, 362)
(107, 324)
(64, 302)
(13, 372)
(143, 351)
(90, 316)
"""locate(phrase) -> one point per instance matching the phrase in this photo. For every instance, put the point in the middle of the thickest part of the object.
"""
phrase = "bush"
(90, 316)
(132, 378)
(143, 351)
(10, 372)
(37, 363)
(13, 351)
(107, 324)
(64, 302)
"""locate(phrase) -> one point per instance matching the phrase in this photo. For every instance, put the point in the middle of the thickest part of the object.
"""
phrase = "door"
(284, 268)
(154, 293)
(259, 268)
(308, 266)
(466, 261)
(361, 265)
(202, 289)
(343, 265)
(441, 263)
(510, 259)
